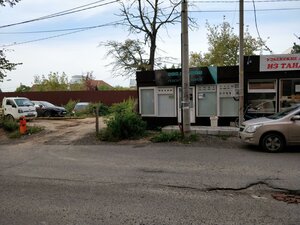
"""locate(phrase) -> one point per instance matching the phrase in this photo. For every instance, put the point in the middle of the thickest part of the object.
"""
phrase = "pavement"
(208, 130)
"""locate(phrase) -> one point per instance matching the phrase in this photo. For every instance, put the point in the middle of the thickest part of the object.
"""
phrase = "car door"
(11, 108)
(294, 131)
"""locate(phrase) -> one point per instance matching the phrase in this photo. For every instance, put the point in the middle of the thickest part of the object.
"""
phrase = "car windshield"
(81, 106)
(47, 104)
(283, 113)
(23, 102)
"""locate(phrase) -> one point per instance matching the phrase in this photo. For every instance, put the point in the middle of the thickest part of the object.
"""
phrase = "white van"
(15, 107)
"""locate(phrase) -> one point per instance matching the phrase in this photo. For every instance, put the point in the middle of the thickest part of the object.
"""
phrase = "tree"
(296, 47)
(224, 46)
(54, 82)
(23, 88)
(88, 81)
(10, 2)
(148, 17)
(143, 17)
(5, 64)
(128, 57)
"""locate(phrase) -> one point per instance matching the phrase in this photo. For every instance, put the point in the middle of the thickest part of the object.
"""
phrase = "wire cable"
(60, 35)
(246, 10)
(235, 1)
(62, 13)
(256, 26)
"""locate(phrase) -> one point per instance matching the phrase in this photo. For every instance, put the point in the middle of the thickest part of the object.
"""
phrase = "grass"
(174, 136)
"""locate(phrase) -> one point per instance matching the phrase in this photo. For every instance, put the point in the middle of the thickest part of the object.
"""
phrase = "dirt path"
(83, 132)
(62, 131)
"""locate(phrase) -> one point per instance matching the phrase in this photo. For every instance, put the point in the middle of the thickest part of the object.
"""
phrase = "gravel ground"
(82, 132)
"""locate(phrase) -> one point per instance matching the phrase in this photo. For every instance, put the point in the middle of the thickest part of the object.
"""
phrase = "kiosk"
(271, 84)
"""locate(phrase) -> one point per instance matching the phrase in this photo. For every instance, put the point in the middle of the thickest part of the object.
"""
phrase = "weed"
(9, 125)
(174, 136)
(123, 123)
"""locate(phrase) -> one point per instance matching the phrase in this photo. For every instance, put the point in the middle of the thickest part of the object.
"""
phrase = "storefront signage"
(279, 62)
(173, 77)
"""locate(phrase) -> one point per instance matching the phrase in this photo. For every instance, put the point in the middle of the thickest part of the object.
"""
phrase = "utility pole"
(185, 104)
(241, 65)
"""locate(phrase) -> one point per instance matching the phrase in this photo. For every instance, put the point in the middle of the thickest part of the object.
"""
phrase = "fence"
(62, 97)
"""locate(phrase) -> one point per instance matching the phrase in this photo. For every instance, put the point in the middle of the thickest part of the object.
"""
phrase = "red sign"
(279, 62)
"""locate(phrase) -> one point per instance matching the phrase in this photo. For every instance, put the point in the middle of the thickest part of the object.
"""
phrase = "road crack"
(246, 187)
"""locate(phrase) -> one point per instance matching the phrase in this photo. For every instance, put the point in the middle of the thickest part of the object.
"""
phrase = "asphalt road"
(146, 184)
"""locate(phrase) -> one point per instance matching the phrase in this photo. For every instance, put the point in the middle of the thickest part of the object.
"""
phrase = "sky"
(40, 53)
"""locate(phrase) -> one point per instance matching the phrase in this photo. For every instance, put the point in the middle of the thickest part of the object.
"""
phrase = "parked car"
(16, 107)
(80, 107)
(47, 109)
(273, 132)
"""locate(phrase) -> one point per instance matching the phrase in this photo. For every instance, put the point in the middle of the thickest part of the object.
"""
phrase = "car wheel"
(47, 114)
(9, 117)
(273, 142)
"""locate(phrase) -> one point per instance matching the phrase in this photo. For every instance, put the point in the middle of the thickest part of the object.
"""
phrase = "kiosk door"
(192, 105)
(207, 100)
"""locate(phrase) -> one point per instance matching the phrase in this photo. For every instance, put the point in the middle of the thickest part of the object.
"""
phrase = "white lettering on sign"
(279, 62)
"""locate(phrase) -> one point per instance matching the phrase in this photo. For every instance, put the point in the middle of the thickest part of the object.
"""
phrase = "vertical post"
(97, 118)
(185, 69)
(241, 64)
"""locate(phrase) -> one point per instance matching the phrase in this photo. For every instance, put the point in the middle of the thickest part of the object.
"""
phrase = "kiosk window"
(261, 96)
(289, 93)
(265, 86)
(147, 101)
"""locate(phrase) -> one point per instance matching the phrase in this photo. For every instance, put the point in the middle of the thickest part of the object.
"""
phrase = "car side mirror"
(14, 106)
(294, 118)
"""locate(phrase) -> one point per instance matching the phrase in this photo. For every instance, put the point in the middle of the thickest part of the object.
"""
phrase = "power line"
(60, 30)
(60, 35)
(256, 26)
(63, 13)
(192, 11)
(235, 1)
(246, 10)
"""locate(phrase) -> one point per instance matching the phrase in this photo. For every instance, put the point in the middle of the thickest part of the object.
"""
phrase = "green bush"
(123, 123)
(9, 125)
(167, 137)
(34, 129)
(123, 107)
(174, 136)
(102, 109)
(70, 106)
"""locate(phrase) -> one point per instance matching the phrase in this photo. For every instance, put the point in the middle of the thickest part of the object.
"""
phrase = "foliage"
(167, 136)
(123, 107)
(78, 86)
(10, 2)
(5, 65)
(70, 106)
(173, 137)
(103, 109)
(9, 124)
(23, 88)
(104, 88)
(224, 46)
(128, 57)
(296, 48)
(123, 123)
(34, 129)
(145, 18)
(12, 127)
(88, 81)
(54, 82)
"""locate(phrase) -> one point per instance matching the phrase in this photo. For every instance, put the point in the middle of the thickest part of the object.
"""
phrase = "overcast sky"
(78, 53)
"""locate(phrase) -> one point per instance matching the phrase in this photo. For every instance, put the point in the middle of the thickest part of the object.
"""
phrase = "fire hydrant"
(23, 127)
